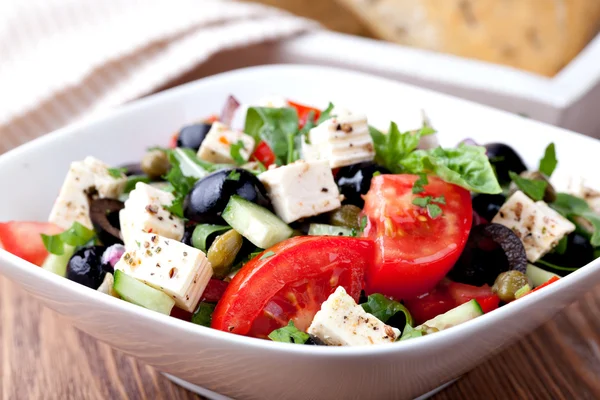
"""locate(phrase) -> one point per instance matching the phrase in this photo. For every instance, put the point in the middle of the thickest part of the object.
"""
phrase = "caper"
(507, 284)
(155, 164)
(549, 194)
(223, 251)
(347, 216)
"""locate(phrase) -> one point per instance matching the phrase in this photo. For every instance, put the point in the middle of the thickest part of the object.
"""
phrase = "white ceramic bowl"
(249, 368)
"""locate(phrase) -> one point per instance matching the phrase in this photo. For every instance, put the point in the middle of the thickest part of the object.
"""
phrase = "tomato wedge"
(23, 239)
(264, 154)
(290, 281)
(304, 111)
(415, 250)
(448, 295)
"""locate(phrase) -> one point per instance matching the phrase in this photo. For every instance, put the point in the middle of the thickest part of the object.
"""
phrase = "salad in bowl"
(314, 227)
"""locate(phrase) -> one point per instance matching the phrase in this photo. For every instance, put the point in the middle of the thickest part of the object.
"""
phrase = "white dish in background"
(241, 367)
(568, 100)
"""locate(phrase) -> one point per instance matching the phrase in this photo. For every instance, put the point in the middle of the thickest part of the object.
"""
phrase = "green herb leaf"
(410, 333)
(76, 235)
(275, 126)
(572, 207)
(549, 162)
(418, 186)
(235, 152)
(117, 172)
(182, 182)
(421, 201)
(561, 247)
(233, 176)
(434, 211)
(308, 125)
(267, 255)
(465, 166)
(202, 232)
(383, 308)
(133, 180)
(440, 200)
(376, 173)
(363, 222)
(203, 314)
(289, 334)
(326, 113)
(392, 147)
(534, 188)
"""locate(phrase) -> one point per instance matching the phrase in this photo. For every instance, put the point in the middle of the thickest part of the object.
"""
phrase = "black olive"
(209, 196)
(490, 250)
(192, 136)
(86, 267)
(355, 181)
(104, 214)
(504, 159)
(487, 205)
(187, 234)
(579, 253)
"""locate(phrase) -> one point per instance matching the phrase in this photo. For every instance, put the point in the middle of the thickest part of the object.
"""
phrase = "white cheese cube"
(342, 322)
(145, 212)
(85, 178)
(179, 270)
(301, 189)
(537, 225)
(577, 185)
(342, 140)
(216, 146)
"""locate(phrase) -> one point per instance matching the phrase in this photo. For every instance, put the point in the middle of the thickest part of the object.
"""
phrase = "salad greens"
(276, 126)
(203, 231)
(549, 162)
(383, 308)
(573, 207)
(203, 314)
(289, 334)
(534, 188)
(76, 235)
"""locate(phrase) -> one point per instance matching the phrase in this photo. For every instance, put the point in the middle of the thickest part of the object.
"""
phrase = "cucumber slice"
(58, 264)
(329, 230)
(522, 292)
(538, 276)
(137, 292)
(456, 316)
(255, 223)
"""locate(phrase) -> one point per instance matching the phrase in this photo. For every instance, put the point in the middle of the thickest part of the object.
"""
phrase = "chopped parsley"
(363, 222)
(289, 334)
(235, 152)
(117, 172)
(431, 204)
(549, 162)
(418, 186)
(233, 176)
(534, 188)
(76, 235)
(376, 173)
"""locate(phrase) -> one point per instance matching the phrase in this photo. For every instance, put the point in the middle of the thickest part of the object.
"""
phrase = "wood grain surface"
(43, 357)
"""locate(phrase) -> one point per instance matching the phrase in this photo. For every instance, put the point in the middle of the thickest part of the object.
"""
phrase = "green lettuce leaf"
(289, 334)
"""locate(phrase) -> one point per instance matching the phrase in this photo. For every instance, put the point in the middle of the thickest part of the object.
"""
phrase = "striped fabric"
(61, 60)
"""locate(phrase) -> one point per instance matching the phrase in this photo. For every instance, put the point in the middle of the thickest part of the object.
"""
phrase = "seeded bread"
(540, 36)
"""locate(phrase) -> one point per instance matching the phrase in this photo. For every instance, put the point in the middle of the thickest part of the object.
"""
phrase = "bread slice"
(540, 36)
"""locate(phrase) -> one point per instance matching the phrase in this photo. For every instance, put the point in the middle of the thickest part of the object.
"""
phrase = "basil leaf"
(383, 308)
(326, 113)
(117, 172)
(53, 244)
(392, 147)
(549, 162)
(570, 207)
(275, 126)
(203, 231)
(534, 188)
(465, 166)
(235, 152)
(289, 334)
(76, 235)
(133, 180)
(203, 314)
(410, 333)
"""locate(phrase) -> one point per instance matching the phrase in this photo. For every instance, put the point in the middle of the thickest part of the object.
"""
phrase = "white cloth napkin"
(63, 59)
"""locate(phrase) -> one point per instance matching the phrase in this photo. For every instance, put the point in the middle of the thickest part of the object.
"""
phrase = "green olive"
(507, 284)
(155, 164)
(223, 251)
(346, 215)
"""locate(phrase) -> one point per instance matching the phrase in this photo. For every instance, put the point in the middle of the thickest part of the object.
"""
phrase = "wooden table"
(44, 357)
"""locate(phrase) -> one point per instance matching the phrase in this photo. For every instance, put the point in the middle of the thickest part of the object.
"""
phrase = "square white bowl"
(243, 367)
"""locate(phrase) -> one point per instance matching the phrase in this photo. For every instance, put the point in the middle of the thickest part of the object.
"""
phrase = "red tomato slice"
(264, 154)
(303, 112)
(23, 239)
(462, 293)
(290, 281)
(214, 290)
(415, 251)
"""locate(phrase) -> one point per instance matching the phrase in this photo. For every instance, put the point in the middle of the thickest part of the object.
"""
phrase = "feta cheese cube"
(342, 322)
(216, 146)
(179, 270)
(537, 225)
(301, 189)
(144, 212)
(85, 178)
(577, 185)
(342, 140)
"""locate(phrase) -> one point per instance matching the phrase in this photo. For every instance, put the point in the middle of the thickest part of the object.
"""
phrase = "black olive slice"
(491, 249)
(104, 214)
